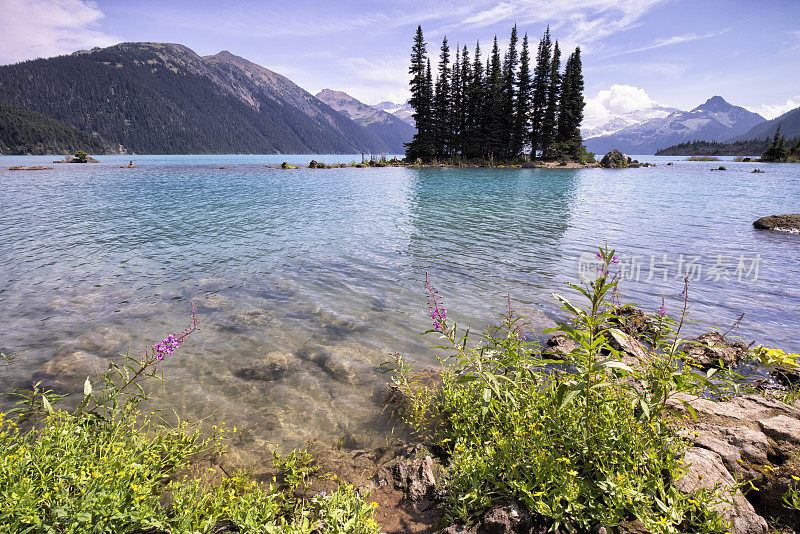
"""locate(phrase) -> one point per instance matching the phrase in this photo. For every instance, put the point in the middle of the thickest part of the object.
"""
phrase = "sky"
(636, 53)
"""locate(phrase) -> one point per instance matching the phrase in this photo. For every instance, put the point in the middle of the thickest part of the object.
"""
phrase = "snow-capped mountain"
(605, 125)
(715, 120)
(401, 111)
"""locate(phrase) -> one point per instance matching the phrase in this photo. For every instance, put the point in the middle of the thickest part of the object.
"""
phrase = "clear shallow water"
(304, 280)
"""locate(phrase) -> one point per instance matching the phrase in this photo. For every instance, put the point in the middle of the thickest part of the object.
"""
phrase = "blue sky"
(636, 52)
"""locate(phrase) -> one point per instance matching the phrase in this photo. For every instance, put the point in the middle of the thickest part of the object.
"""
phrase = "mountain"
(715, 120)
(28, 132)
(608, 125)
(790, 127)
(163, 98)
(394, 131)
(401, 111)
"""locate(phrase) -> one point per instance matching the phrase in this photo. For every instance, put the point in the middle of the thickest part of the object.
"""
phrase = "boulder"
(529, 165)
(706, 471)
(614, 160)
(781, 223)
(756, 439)
(710, 349)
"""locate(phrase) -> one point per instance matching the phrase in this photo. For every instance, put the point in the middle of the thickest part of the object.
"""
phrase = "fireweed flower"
(436, 308)
(169, 344)
(662, 310)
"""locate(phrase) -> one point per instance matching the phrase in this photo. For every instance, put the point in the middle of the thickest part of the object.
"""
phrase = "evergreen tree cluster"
(27, 132)
(780, 151)
(496, 110)
(750, 147)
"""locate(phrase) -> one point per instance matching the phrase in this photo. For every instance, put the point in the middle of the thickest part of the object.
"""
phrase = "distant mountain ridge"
(715, 120)
(619, 121)
(789, 122)
(401, 111)
(164, 99)
(392, 130)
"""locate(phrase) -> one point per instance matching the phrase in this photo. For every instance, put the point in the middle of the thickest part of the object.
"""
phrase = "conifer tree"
(777, 152)
(541, 84)
(493, 116)
(463, 118)
(509, 94)
(420, 102)
(549, 125)
(570, 113)
(456, 104)
(519, 134)
(474, 146)
(442, 104)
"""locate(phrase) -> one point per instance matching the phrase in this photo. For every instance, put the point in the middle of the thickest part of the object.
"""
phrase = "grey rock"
(742, 449)
(782, 429)
(757, 440)
(705, 470)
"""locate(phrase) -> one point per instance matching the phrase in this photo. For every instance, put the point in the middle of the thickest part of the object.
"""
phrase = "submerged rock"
(782, 223)
(614, 160)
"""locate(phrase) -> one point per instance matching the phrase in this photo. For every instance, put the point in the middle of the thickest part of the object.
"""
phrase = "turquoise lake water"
(304, 280)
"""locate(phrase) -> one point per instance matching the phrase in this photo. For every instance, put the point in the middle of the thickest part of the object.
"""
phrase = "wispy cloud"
(49, 27)
(669, 41)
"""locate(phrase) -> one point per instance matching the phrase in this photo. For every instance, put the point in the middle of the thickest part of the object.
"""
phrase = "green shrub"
(590, 446)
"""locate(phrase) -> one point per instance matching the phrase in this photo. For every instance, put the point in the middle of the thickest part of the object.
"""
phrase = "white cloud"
(616, 100)
(44, 28)
(622, 99)
(770, 111)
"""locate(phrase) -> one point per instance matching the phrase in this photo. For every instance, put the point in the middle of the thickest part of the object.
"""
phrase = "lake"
(305, 280)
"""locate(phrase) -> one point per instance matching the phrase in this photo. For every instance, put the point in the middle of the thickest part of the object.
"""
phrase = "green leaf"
(46, 405)
(568, 398)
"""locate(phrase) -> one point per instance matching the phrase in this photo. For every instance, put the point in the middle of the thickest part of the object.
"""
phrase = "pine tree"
(419, 147)
(570, 113)
(509, 93)
(777, 152)
(430, 138)
(493, 119)
(549, 133)
(522, 112)
(474, 146)
(463, 116)
(456, 105)
(541, 84)
(442, 104)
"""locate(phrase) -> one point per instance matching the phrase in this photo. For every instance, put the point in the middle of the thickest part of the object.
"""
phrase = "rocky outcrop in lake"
(782, 223)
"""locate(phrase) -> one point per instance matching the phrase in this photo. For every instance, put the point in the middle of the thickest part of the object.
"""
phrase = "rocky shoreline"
(746, 449)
